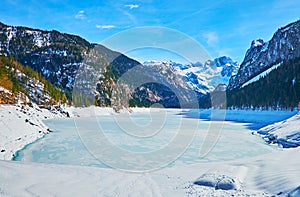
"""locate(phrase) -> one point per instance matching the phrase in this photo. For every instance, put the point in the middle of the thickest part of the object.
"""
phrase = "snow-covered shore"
(266, 175)
(285, 133)
(272, 174)
(21, 125)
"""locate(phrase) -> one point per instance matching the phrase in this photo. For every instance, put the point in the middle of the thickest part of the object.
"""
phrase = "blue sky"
(224, 27)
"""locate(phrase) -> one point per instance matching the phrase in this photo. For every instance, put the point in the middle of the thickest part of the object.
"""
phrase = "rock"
(207, 180)
(221, 182)
(227, 183)
(295, 192)
(2, 151)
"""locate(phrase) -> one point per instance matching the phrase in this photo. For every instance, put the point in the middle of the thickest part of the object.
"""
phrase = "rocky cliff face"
(284, 45)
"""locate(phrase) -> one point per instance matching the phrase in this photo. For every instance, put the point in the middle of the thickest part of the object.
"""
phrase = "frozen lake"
(148, 140)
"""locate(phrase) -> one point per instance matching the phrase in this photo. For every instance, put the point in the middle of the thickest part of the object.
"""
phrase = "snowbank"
(89, 111)
(21, 125)
(285, 133)
(97, 111)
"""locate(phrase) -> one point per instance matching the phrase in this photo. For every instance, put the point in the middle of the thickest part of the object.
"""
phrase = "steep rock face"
(284, 45)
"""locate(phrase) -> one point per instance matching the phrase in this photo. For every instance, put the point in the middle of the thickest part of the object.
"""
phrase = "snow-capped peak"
(157, 62)
(151, 62)
(256, 43)
(203, 78)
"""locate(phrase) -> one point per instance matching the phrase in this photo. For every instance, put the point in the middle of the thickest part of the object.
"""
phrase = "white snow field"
(238, 164)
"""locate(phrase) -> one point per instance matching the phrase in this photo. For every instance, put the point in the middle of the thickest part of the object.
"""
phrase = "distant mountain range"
(88, 73)
(204, 78)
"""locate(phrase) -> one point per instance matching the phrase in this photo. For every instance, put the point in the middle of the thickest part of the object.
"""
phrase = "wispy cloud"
(80, 15)
(105, 26)
(211, 38)
(131, 17)
(132, 6)
(225, 51)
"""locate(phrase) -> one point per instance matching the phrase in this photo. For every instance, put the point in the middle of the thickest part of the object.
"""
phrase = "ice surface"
(64, 145)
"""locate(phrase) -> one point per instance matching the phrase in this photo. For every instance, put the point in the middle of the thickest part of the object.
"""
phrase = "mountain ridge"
(203, 78)
(284, 45)
(67, 60)
(269, 75)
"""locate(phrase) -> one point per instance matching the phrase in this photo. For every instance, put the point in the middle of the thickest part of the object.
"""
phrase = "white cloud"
(225, 51)
(80, 15)
(132, 6)
(105, 26)
(211, 38)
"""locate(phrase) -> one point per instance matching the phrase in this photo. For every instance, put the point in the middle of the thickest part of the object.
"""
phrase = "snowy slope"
(261, 75)
(285, 133)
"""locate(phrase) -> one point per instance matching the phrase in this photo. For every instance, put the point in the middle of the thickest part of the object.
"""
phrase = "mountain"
(91, 74)
(269, 75)
(204, 78)
(57, 56)
(161, 84)
(284, 45)
(20, 83)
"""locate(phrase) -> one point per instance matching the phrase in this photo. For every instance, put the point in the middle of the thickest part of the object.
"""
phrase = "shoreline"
(21, 125)
(17, 153)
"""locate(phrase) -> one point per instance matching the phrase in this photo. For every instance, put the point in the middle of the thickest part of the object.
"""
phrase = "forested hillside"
(280, 89)
(19, 79)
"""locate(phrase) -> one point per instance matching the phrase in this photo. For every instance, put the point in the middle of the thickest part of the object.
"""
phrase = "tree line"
(280, 89)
